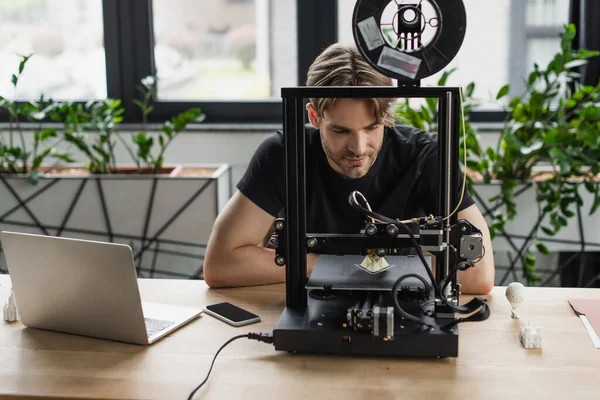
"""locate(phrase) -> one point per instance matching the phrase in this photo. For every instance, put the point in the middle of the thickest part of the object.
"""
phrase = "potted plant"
(544, 168)
(17, 156)
(165, 213)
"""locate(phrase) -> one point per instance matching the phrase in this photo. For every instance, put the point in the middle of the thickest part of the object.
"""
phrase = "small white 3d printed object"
(514, 294)
(531, 336)
(374, 264)
(10, 309)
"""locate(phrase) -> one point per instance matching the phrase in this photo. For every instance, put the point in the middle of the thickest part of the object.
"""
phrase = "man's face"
(350, 135)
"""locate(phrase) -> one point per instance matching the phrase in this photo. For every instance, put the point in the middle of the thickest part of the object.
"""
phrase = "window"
(66, 40)
(547, 13)
(224, 49)
(502, 41)
(231, 57)
(543, 24)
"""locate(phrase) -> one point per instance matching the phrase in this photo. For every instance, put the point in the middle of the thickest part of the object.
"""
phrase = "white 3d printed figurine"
(514, 294)
(531, 336)
(10, 309)
(374, 264)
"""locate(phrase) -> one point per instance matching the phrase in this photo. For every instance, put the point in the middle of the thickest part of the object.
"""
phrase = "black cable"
(422, 258)
(397, 306)
(454, 271)
(261, 337)
(354, 203)
(477, 303)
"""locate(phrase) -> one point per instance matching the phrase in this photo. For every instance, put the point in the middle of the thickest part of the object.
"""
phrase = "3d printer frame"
(294, 144)
(293, 332)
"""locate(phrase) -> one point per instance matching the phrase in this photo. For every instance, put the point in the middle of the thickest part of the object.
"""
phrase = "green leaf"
(34, 177)
(158, 163)
(66, 157)
(470, 89)
(575, 63)
(47, 133)
(565, 202)
(548, 207)
(502, 92)
(431, 104)
(14, 80)
(445, 75)
(168, 129)
(40, 158)
(24, 60)
(426, 114)
(590, 185)
(542, 247)
(514, 102)
(512, 139)
(531, 148)
(140, 138)
(491, 154)
(556, 153)
(533, 77)
(548, 231)
(139, 104)
(595, 205)
(570, 32)
(584, 53)
(100, 151)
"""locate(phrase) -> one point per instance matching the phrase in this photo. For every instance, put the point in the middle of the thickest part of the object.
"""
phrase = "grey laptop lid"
(75, 286)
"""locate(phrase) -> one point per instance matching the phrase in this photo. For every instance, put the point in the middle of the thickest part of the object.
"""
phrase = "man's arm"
(234, 255)
(478, 279)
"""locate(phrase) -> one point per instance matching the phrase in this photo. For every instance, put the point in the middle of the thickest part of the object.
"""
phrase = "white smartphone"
(231, 314)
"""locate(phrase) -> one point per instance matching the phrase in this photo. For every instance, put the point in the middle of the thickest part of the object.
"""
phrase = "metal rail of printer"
(354, 243)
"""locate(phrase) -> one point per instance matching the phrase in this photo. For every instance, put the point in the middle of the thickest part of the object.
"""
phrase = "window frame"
(129, 49)
(129, 44)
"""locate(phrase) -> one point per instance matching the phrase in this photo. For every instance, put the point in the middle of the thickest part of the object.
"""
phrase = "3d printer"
(376, 291)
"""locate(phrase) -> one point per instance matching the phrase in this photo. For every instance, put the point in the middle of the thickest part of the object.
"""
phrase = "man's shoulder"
(406, 144)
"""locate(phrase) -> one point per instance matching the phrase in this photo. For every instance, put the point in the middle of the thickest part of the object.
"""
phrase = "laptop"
(85, 287)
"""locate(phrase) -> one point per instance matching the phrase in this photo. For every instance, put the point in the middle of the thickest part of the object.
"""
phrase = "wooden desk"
(491, 364)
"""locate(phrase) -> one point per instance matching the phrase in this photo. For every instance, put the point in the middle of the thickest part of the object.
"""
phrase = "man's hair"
(343, 65)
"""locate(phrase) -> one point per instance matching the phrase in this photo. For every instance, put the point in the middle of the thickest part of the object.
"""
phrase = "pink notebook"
(589, 312)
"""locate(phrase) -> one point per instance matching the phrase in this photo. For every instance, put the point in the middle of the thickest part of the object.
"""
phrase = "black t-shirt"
(401, 183)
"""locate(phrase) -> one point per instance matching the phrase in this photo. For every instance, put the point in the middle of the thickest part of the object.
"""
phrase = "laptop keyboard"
(153, 326)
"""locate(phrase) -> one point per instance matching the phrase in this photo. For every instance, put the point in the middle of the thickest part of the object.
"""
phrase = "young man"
(353, 144)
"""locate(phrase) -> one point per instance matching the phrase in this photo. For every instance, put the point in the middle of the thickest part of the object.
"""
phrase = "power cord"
(261, 337)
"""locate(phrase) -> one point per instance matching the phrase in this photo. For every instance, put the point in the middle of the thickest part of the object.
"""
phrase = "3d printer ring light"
(422, 38)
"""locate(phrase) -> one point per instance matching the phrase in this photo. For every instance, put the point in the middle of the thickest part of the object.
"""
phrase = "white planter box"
(167, 220)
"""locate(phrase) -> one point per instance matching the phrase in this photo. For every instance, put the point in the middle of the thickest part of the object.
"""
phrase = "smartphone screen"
(231, 312)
